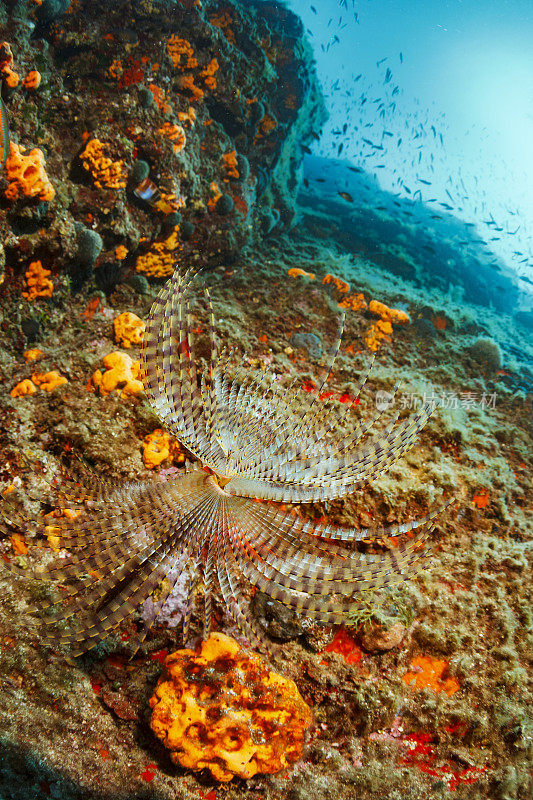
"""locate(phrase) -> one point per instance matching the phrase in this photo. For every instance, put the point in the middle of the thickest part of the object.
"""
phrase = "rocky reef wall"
(158, 132)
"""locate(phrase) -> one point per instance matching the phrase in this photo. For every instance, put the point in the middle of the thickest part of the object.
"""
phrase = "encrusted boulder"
(220, 709)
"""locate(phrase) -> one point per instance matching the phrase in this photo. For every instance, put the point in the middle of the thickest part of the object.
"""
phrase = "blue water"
(442, 92)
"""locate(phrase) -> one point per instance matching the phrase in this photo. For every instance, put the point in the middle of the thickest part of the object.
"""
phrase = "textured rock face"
(214, 101)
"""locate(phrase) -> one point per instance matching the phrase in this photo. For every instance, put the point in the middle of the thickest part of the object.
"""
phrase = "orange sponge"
(186, 82)
(208, 74)
(341, 286)
(23, 388)
(296, 272)
(354, 302)
(219, 709)
(161, 259)
(26, 175)
(390, 314)
(381, 330)
(7, 73)
(158, 446)
(48, 381)
(188, 117)
(104, 171)
(229, 165)
(32, 355)
(11, 77)
(181, 53)
(175, 133)
(428, 673)
(129, 329)
(122, 373)
(37, 282)
(32, 80)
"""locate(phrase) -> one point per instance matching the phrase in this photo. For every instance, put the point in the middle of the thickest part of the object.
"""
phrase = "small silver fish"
(147, 191)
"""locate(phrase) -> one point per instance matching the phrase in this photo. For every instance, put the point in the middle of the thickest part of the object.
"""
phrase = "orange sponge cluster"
(182, 56)
(105, 172)
(208, 74)
(429, 673)
(122, 374)
(223, 20)
(175, 133)
(341, 286)
(186, 83)
(381, 330)
(129, 329)
(181, 53)
(353, 302)
(47, 381)
(158, 446)
(296, 272)
(32, 355)
(265, 126)
(32, 80)
(390, 314)
(7, 73)
(160, 261)
(187, 117)
(219, 709)
(37, 282)
(229, 165)
(216, 194)
(26, 175)
(23, 388)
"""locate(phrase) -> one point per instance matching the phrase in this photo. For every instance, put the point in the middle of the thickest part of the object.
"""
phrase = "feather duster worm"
(252, 439)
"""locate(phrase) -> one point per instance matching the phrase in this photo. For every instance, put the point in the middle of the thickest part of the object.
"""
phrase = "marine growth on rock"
(252, 440)
(223, 710)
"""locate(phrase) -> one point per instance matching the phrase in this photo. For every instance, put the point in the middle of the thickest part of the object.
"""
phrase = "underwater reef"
(158, 134)
(181, 133)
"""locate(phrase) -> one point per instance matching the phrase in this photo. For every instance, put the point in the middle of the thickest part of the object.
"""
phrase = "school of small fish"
(387, 143)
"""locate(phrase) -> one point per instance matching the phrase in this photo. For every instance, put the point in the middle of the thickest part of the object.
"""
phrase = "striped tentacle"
(356, 534)
(70, 486)
(229, 563)
(286, 464)
(119, 545)
(318, 439)
(209, 578)
(287, 551)
(272, 429)
(307, 419)
(211, 404)
(316, 425)
(117, 595)
(311, 479)
(308, 594)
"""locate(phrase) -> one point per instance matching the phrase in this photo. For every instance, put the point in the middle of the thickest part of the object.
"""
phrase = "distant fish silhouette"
(346, 196)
